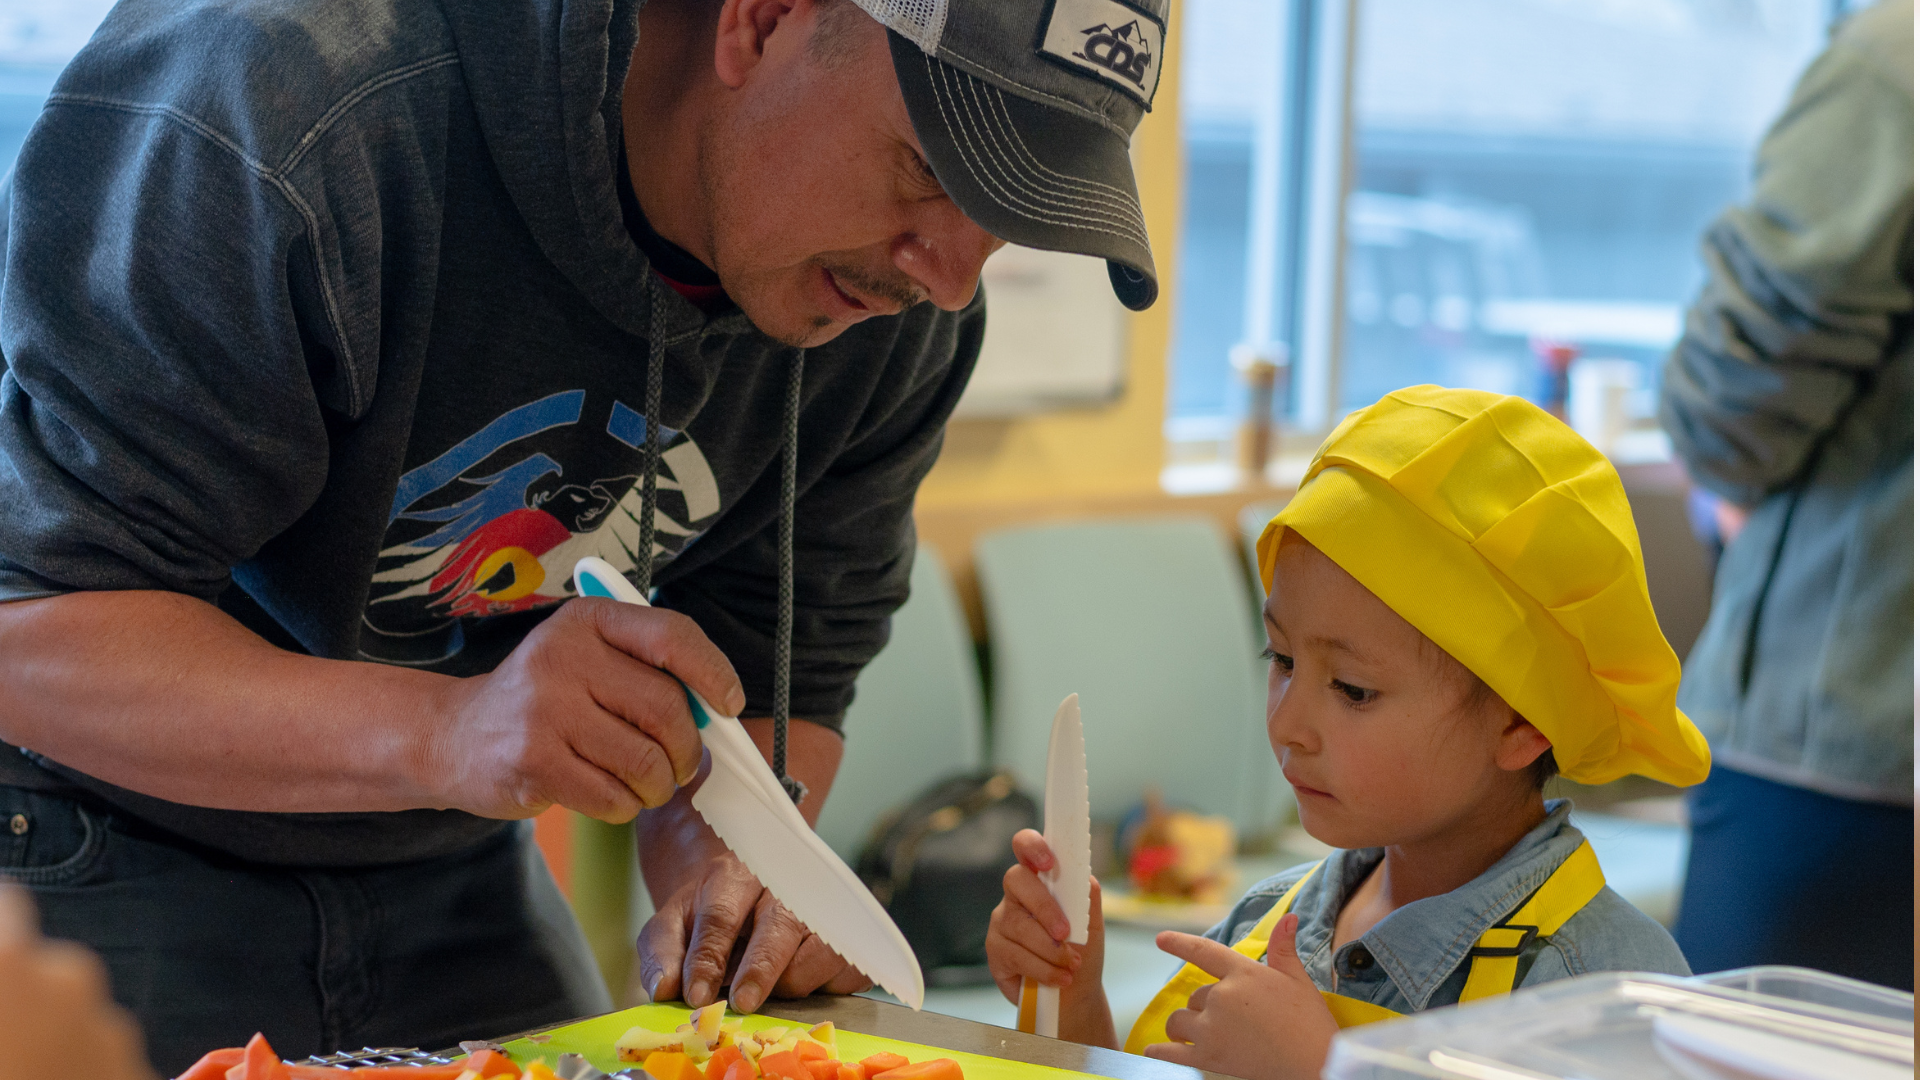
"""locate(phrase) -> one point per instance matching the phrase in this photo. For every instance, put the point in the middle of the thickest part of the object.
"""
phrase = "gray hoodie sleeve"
(1807, 281)
(159, 416)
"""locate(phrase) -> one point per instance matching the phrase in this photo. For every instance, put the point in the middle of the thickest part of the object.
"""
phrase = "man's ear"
(1520, 745)
(744, 30)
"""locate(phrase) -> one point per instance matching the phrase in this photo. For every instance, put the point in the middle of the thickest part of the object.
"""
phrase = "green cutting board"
(594, 1040)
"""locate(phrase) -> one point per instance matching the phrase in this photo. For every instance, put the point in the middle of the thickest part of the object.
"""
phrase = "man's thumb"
(1281, 954)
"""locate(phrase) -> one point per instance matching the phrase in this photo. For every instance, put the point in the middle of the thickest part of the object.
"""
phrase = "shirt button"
(19, 825)
(1359, 959)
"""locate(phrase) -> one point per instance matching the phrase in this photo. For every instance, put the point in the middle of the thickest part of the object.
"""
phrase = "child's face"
(1376, 728)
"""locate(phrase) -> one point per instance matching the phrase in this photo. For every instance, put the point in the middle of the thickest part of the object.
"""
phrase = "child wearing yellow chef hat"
(1457, 610)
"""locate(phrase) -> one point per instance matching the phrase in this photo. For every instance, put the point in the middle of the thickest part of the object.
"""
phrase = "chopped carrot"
(935, 1069)
(213, 1065)
(671, 1065)
(721, 1059)
(490, 1063)
(784, 1064)
(823, 1068)
(852, 1070)
(881, 1062)
(808, 1050)
(741, 1070)
(258, 1062)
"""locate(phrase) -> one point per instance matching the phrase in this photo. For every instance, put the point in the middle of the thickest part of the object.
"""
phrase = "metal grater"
(384, 1055)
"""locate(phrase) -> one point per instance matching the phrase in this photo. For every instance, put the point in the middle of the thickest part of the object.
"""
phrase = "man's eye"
(1279, 660)
(1359, 695)
(923, 173)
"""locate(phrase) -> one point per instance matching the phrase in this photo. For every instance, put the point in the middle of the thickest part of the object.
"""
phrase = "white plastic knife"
(744, 803)
(1069, 834)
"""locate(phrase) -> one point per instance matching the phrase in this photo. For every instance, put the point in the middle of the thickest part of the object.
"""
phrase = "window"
(37, 38)
(1517, 184)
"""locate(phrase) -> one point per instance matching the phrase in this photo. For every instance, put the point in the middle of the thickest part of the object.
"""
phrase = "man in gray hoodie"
(336, 331)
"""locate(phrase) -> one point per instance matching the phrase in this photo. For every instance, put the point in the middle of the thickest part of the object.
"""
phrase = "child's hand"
(1263, 1021)
(1027, 939)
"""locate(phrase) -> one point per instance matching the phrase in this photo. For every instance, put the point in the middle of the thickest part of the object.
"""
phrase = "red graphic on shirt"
(497, 569)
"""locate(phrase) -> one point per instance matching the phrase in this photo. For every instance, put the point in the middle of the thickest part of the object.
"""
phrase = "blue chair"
(1149, 621)
(916, 715)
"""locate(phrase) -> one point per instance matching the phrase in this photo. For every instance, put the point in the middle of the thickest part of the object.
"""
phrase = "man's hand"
(55, 1016)
(1261, 1021)
(693, 949)
(586, 713)
(714, 929)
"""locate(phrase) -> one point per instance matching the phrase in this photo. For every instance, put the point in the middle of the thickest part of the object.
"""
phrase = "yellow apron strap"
(1352, 1012)
(1496, 956)
(1152, 1026)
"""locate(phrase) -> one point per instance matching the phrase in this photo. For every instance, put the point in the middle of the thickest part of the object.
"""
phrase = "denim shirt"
(1416, 957)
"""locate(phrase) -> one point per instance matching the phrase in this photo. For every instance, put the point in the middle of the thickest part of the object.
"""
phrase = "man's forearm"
(167, 695)
(675, 842)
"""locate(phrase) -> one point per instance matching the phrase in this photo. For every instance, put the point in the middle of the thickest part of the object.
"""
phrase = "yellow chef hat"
(1506, 539)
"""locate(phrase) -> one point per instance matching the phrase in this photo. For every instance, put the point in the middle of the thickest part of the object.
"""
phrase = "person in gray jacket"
(1790, 398)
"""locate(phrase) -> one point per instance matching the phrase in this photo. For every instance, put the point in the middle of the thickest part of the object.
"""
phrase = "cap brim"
(1028, 173)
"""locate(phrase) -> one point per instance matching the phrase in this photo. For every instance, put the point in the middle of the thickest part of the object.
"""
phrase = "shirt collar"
(1421, 944)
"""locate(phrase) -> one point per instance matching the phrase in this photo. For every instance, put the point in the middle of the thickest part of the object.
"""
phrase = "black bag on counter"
(936, 864)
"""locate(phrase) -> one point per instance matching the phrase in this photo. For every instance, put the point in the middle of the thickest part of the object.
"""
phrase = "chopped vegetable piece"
(259, 1062)
(638, 1043)
(881, 1062)
(823, 1068)
(769, 1036)
(822, 1033)
(722, 1058)
(489, 1063)
(695, 1047)
(936, 1069)
(741, 1070)
(783, 1063)
(213, 1065)
(808, 1050)
(852, 1070)
(671, 1065)
(707, 1020)
(539, 1070)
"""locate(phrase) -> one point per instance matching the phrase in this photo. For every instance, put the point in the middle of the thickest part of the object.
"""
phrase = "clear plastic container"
(1617, 1026)
(1818, 987)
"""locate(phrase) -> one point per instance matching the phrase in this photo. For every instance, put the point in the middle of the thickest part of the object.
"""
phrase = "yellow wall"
(1104, 450)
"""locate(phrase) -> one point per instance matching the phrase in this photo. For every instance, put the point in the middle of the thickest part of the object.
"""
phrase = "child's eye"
(1279, 660)
(1359, 695)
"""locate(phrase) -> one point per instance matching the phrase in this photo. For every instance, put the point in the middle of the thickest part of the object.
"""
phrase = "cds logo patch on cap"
(1117, 43)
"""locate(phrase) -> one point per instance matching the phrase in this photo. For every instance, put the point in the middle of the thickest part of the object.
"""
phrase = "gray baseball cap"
(1026, 109)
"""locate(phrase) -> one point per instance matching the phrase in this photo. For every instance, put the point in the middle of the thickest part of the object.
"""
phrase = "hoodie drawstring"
(789, 481)
(783, 635)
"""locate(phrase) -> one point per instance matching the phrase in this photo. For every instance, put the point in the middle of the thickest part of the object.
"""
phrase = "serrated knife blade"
(1069, 833)
(746, 807)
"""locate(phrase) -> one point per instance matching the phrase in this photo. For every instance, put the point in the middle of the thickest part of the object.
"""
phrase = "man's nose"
(943, 254)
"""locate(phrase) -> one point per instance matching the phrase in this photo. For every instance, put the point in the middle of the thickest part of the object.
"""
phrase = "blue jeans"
(206, 950)
(1782, 875)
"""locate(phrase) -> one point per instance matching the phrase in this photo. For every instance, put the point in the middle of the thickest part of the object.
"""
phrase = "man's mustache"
(896, 288)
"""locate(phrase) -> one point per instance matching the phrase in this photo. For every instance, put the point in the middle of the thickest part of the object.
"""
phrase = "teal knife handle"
(588, 578)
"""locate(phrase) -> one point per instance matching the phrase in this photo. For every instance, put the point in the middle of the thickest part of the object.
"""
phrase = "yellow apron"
(1496, 956)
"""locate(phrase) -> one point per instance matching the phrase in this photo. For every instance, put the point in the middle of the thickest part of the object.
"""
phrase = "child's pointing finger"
(1204, 953)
